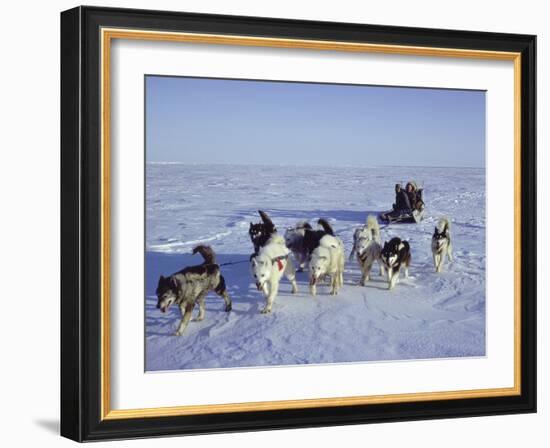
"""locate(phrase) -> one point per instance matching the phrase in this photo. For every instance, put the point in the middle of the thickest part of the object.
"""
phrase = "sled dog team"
(318, 250)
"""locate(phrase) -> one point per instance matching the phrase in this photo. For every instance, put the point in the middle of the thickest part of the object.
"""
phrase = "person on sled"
(415, 196)
(402, 199)
(401, 206)
(408, 204)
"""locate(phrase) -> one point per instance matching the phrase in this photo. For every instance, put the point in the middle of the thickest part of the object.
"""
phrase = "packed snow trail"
(426, 316)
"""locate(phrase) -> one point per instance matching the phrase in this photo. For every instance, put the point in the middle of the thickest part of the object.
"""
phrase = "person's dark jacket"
(402, 201)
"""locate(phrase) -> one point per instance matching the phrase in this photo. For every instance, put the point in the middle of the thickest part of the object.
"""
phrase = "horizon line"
(171, 162)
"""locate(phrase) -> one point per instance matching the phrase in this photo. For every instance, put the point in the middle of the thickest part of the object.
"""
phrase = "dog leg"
(441, 262)
(450, 252)
(390, 278)
(201, 300)
(290, 274)
(352, 253)
(436, 262)
(271, 298)
(394, 279)
(368, 267)
(227, 300)
(186, 312)
(363, 277)
(292, 279)
(313, 289)
(221, 290)
(337, 283)
(334, 279)
(382, 270)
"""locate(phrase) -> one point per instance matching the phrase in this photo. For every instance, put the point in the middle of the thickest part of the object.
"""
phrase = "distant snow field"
(426, 316)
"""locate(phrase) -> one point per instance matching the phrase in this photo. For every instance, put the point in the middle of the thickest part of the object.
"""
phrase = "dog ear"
(173, 282)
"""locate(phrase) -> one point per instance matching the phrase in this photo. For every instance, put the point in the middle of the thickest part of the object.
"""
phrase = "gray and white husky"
(441, 243)
(191, 286)
(268, 267)
(366, 247)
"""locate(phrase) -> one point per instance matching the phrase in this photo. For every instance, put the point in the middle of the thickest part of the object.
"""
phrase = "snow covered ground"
(427, 316)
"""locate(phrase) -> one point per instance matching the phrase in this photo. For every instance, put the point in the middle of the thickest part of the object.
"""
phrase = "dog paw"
(198, 318)
(228, 308)
(266, 311)
(178, 333)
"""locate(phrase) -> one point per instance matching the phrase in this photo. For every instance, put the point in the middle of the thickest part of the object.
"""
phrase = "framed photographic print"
(272, 223)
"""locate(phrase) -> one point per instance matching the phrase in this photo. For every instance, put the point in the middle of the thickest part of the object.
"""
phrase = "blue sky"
(200, 120)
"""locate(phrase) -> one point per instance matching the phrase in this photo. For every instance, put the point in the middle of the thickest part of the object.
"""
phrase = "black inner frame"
(80, 223)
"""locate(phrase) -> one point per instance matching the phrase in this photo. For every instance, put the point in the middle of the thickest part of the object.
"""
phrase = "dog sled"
(408, 208)
(404, 216)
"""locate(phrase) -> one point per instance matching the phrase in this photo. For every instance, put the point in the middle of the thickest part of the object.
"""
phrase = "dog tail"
(373, 227)
(444, 225)
(303, 225)
(270, 227)
(207, 253)
(326, 226)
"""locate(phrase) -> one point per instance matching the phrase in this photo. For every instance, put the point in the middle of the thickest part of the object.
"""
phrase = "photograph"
(294, 223)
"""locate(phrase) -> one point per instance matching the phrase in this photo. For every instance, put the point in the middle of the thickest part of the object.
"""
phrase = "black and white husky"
(367, 248)
(294, 240)
(441, 243)
(395, 254)
(268, 267)
(261, 232)
(302, 239)
(190, 286)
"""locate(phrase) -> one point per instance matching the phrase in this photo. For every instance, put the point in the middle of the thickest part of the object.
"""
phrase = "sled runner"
(402, 216)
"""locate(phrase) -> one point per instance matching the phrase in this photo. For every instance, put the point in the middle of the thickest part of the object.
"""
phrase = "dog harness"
(279, 261)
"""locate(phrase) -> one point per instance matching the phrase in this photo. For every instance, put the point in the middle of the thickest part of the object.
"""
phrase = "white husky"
(441, 243)
(269, 265)
(366, 246)
(327, 259)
